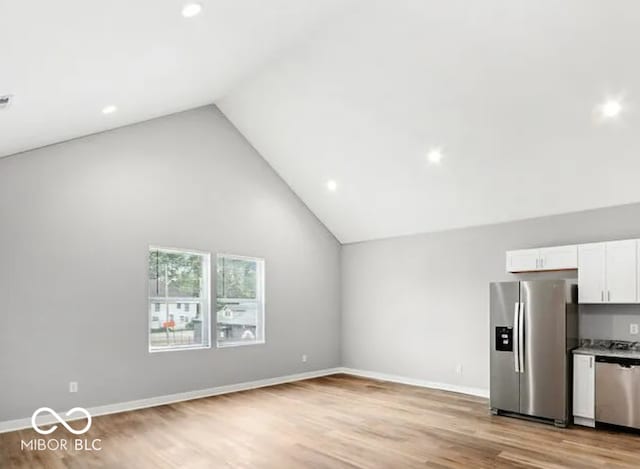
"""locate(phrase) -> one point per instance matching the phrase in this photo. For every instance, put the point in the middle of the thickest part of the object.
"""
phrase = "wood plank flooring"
(331, 422)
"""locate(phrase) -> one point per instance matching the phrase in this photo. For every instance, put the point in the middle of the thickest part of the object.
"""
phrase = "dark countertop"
(586, 350)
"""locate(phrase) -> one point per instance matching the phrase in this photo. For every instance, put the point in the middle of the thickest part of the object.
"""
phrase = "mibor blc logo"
(54, 414)
(54, 444)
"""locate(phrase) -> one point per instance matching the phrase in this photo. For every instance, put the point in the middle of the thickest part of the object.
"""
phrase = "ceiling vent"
(5, 101)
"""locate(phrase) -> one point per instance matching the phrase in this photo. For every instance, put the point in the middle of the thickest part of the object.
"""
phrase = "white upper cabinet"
(621, 269)
(608, 272)
(559, 258)
(638, 270)
(534, 260)
(523, 260)
(591, 273)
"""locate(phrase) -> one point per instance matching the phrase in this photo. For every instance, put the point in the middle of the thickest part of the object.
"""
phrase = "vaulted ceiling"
(358, 92)
(506, 88)
(66, 60)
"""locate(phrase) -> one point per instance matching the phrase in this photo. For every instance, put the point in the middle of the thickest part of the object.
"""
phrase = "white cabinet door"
(591, 273)
(638, 270)
(523, 260)
(584, 386)
(621, 269)
(559, 258)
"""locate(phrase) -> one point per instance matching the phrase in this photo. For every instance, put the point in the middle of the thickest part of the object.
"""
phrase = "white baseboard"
(480, 392)
(19, 424)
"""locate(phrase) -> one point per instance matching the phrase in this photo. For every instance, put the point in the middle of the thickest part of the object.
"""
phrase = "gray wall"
(77, 218)
(417, 306)
(609, 321)
(76, 222)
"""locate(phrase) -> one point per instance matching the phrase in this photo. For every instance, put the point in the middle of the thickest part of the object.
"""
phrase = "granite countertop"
(607, 353)
(607, 348)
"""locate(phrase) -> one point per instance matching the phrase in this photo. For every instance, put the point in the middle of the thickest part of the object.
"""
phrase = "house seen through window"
(239, 300)
(177, 279)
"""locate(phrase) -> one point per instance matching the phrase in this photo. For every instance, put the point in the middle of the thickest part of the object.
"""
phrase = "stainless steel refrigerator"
(534, 326)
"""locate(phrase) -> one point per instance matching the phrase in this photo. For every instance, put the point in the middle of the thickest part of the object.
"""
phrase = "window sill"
(179, 349)
(239, 344)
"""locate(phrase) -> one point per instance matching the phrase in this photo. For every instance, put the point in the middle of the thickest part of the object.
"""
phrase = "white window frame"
(206, 302)
(260, 298)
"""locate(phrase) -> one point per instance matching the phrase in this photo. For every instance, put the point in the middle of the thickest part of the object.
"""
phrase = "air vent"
(5, 101)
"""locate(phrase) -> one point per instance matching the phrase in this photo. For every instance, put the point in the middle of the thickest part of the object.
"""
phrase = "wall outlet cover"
(73, 386)
(633, 329)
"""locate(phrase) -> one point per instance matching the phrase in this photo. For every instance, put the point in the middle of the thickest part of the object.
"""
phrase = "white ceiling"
(65, 60)
(357, 91)
(506, 87)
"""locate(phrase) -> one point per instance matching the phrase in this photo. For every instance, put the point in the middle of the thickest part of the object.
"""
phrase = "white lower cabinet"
(584, 385)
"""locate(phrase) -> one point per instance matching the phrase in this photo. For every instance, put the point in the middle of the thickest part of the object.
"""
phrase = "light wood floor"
(333, 422)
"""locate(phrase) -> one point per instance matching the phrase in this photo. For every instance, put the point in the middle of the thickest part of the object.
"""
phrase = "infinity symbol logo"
(54, 414)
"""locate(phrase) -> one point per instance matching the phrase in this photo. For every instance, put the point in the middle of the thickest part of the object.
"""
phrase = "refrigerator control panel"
(504, 339)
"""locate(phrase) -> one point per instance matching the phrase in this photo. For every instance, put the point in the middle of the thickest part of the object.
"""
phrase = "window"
(178, 277)
(239, 300)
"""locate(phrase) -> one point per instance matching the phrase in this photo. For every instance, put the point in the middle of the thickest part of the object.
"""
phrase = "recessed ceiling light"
(611, 108)
(435, 156)
(191, 9)
(109, 109)
(332, 185)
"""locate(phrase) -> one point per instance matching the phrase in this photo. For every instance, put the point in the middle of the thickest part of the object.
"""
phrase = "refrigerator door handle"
(521, 339)
(516, 328)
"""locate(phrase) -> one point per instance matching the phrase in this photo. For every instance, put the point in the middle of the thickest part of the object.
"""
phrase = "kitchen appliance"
(617, 390)
(534, 326)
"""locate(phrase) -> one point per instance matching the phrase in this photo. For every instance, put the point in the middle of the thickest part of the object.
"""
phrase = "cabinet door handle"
(608, 295)
(602, 295)
(537, 263)
(541, 263)
(590, 362)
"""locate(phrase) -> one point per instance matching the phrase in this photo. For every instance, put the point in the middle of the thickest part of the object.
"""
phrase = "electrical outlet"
(304, 358)
(633, 329)
(73, 386)
(459, 369)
